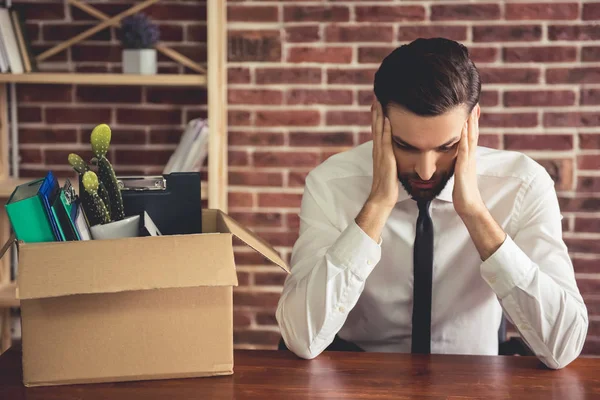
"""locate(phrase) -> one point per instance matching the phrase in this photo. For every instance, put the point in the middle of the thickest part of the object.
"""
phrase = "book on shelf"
(16, 55)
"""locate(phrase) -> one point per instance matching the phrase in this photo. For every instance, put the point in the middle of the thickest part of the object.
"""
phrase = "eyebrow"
(408, 145)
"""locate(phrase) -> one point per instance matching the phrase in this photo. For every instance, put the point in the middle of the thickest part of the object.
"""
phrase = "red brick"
(193, 113)
(321, 139)
(265, 299)
(590, 53)
(333, 55)
(483, 54)
(61, 57)
(509, 75)
(269, 278)
(255, 45)
(507, 33)
(491, 141)
(584, 265)
(293, 221)
(121, 136)
(542, 11)
(520, 98)
(240, 199)
(196, 33)
(365, 97)
(573, 75)
(539, 54)
(373, 54)
(300, 13)
(591, 225)
(566, 225)
(238, 118)
(588, 285)
(107, 8)
(177, 12)
(193, 51)
(30, 156)
(412, 32)
(511, 120)
(300, 34)
(108, 94)
(588, 184)
(29, 114)
(286, 159)
(254, 96)
(489, 98)
(288, 117)
(100, 53)
(245, 13)
(93, 68)
(176, 95)
(257, 219)
(61, 157)
(348, 118)
(379, 33)
(255, 178)
(248, 258)
(47, 134)
(572, 119)
(65, 31)
(238, 75)
(560, 170)
(37, 172)
(146, 157)
(237, 158)
(242, 138)
(590, 162)
(280, 239)
(241, 318)
(44, 93)
(350, 76)
(465, 12)
(266, 318)
(288, 76)
(580, 245)
(389, 13)
(297, 178)
(138, 116)
(538, 142)
(170, 32)
(579, 204)
(574, 32)
(589, 141)
(364, 137)
(591, 11)
(279, 200)
(319, 96)
(256, 337)
(44, 11)
(73, 115)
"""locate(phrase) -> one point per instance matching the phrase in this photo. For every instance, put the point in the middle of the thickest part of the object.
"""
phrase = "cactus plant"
(100, 140)
(91, 184)
(81, 167)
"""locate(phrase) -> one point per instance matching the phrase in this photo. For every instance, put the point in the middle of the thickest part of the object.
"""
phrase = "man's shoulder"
(510, 165)
(356, 162)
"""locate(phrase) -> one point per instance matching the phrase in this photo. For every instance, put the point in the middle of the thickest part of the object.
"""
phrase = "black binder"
(172, 200)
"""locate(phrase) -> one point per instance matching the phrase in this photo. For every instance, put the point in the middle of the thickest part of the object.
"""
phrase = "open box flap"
(228, 224)
(105, 266)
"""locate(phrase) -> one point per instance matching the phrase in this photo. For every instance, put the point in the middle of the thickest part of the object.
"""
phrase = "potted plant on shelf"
(138, 36)
(100, 193)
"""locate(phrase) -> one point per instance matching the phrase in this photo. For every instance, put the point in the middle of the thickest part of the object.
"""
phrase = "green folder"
(27, 214)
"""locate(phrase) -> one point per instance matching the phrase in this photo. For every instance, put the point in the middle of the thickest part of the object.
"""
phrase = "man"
(418, 240)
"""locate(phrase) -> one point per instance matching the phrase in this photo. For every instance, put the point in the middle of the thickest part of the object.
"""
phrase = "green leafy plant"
(99, 210)
(107, 190)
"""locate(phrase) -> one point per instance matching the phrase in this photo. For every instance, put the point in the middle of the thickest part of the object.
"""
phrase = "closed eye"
(447, 149)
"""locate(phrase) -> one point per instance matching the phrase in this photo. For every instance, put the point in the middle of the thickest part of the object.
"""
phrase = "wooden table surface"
(269, 375)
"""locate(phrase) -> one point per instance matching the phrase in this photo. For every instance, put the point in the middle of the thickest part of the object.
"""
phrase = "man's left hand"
(465, 196)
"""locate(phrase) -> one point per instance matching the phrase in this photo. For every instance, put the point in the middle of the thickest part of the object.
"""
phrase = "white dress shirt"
(343, 282)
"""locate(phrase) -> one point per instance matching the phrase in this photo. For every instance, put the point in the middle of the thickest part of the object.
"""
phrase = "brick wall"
(300, 75)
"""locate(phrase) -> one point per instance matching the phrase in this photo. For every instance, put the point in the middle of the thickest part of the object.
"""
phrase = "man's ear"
(477, 110)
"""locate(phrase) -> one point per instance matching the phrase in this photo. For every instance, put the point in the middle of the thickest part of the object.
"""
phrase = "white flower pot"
(139, 61)
(128, 227)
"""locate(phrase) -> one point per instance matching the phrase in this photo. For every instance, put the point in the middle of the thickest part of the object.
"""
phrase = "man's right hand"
(385, 186)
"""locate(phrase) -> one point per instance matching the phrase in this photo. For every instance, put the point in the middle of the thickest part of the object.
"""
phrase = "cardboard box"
(131, 309)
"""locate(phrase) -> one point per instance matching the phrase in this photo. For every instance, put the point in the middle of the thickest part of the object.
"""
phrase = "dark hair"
(428, 77)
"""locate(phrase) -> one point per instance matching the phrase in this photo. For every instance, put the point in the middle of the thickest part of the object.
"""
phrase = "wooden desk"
(275, 375)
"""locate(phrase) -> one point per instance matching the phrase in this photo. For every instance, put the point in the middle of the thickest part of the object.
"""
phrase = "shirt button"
(342, 309)
(492, 279)
(369, 262)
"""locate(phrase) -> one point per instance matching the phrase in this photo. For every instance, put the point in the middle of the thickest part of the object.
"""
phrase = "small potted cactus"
(138, 36)
(99, 191)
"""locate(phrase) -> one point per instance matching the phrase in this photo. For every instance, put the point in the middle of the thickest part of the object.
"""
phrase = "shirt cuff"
(356, 251)
(507, 268)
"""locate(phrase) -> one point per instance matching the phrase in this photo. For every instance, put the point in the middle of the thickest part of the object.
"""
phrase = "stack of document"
(190, 154)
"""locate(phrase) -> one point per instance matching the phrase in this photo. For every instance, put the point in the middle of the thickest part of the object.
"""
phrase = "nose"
(425, 166)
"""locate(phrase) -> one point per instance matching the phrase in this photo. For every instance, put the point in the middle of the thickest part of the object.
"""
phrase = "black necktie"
(423, 271)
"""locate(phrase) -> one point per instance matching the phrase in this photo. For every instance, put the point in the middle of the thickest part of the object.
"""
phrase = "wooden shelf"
(8, 295)
(105, 79)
